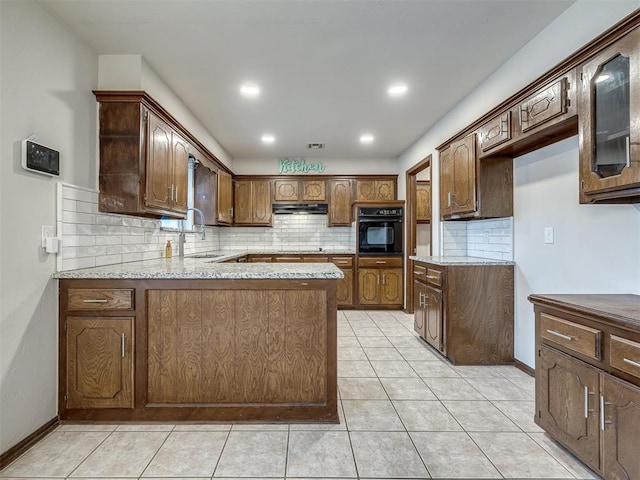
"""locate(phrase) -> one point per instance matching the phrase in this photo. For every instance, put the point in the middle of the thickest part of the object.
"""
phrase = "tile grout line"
(224, 445)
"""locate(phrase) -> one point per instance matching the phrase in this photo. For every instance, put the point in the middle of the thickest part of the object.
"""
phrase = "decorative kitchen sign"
(299, 165)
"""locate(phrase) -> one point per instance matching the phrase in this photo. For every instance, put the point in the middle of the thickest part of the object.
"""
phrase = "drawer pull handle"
(380, 262)
(601, 413)
(558, 334)
(631, 362)
(586, 402)
(95, 301)
(431, 277)
(124, 340)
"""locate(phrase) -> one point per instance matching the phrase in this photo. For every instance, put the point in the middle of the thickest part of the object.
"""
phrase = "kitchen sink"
(206, 255)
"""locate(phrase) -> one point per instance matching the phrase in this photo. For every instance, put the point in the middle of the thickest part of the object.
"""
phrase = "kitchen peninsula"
(191, 339)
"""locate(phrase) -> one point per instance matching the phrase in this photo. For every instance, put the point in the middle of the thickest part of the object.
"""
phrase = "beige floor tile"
(520, 412)
(567, 459)
(260, 427)
(528, 384)
(398, 331)
(361, 389)
(145, 427)
(56, 456)
(192, 454)
(345, 331)
(375, 342)
(253, 454)
(432, 369)
(509, 371)
(322, 426)
(410, 342)
(452, 389)
(355, 368)
(371, 415)
(425, 416)
(362, 323)
(386, 455)
(476, 371)
(203, 427)
(516, 455)
(375, 353)
(480, 416)
(351, 353)
(86, 427)
(407, 389)
(391, 368)
(316, 454)
(123, 454)
(367, 332)
(419, 353)
(499, 389)
(452, 455)
(380, 315)
(348, 342)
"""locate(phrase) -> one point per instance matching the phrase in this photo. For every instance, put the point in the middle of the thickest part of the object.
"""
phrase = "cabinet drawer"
(380, 261)
(625, 355)
(544, 106)
(581, 339)
(419, 271)
(434, 277)
(100, 299)
(342, 261)
(287, 259)
(315, 259)
(495, 132)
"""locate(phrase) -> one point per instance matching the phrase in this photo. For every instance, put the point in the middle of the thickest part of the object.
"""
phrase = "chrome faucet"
(181, 235)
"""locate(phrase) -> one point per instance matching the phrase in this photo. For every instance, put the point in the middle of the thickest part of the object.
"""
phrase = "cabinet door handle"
(384, 279)
(95, 300)
(628, 146)
(170, 193)
(176, 195)
(558, 334)
(124, 348)
(449, 199)
(381, 262)
(631, 362)
(524, 115)
(586, 402)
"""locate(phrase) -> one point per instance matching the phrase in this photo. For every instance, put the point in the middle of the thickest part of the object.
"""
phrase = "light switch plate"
(548, 234)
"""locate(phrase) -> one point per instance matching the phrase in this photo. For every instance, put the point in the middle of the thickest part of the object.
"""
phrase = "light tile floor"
(405, 413)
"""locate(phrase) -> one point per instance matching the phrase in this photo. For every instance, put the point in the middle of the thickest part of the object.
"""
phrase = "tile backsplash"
(90, 238)
(479, 238)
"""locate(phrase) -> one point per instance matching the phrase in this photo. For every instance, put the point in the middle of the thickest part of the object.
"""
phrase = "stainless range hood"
(300, 208)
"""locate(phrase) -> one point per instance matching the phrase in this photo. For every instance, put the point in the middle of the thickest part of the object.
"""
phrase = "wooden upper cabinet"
(286, 190)
(252, 202)
(204, 196)
(299, 190)
(458, 175)
(375, 190)
(609, 112)
(314, 190)
(423, 201)
(180, 156)
(340, 202)
(225, 198)
(544, 105)
(495, 132)
(159, 191)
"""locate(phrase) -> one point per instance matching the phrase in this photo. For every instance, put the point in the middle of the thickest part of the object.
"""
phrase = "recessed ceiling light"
(268, 138)
(249, 90)
(366, 138)
(397, 89)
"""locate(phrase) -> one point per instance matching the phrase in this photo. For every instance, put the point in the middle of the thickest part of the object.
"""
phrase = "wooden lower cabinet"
(99, 362)
(379, 286)
(591, 403)
(344, 293)
(433, 317)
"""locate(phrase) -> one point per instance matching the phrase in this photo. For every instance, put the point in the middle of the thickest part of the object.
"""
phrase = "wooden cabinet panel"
(378, 284)
(368, 286)
(568, 403)
(624, 355)
(180, 157)
(204, 197)
(252, 202)
(248, 346)
(419, 308)
(423, 201)
(286, 190)
(242, 202)
(462, 197)
(609, 123)
(385, 190)
(391, 286)
(314, 190)
(495, 132)
(344, 292)
(544, 106)
(375, 190)
(99, 362)
(340, 202)
(225, 198)
(100, 299)
(433, 317)
(621, 402)
(159, 191)
(573, 336)
(380, 262)
(446, 182)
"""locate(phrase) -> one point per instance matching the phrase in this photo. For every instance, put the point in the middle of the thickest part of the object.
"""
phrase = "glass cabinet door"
(609, 111)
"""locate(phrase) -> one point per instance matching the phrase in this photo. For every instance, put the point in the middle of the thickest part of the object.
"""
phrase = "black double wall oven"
(379, 230)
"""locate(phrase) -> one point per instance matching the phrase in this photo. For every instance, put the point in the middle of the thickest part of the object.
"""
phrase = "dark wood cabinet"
(252, 200)
(609, 112)
(588, 378)
(225, 198)
(495, 132)
(344, 293)
(296, 190)
(419, 313)
(204, 193)
(340, 196)
(314, 191)
(375, 190)
(287, 190)
(423, 201)
(380, 281)
(544, 106)
(468, 311)
(470, 188)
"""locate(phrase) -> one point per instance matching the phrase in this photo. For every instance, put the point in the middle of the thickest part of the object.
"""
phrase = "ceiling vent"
(315, 146)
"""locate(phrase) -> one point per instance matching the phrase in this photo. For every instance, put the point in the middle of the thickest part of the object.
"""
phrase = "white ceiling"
(323, 65)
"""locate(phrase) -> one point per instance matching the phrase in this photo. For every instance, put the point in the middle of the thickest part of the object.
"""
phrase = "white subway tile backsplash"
(479, 238)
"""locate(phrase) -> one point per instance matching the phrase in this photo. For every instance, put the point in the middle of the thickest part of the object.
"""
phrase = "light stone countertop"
(205, 268)
(461, 261)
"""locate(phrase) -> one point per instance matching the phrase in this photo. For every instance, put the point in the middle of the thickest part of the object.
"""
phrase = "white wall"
(47, 78)
(579, 24)
(595, 247)
(333, 166)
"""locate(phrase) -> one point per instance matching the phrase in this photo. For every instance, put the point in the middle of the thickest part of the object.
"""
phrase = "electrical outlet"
(548, 234)
(47, 232)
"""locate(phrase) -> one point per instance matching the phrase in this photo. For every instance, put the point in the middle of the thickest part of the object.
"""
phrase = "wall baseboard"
(21, 447)
(524, 367)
